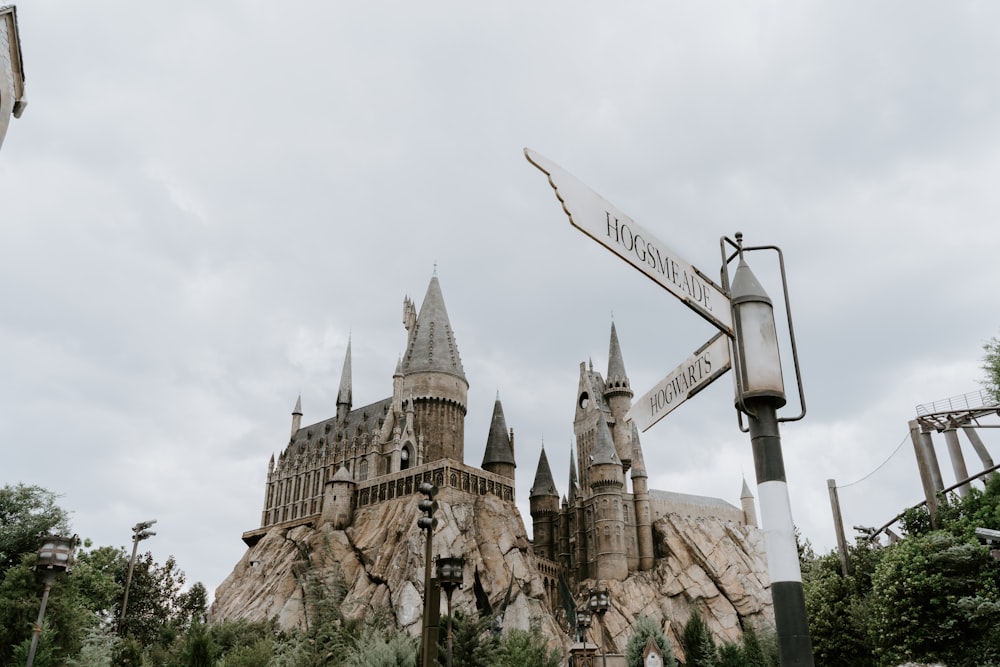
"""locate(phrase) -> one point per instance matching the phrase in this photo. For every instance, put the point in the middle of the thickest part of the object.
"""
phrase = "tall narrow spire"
(344, 398)
(617, 378)
(297, 415)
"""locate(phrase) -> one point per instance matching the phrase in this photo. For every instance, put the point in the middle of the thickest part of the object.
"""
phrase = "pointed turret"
(344, 399)
(749, 505)
(297, 415)
(640, 497)
(618, 395)
(544, 503)
(433, 374)
(499, 456)
(607, 485)
(574, 481)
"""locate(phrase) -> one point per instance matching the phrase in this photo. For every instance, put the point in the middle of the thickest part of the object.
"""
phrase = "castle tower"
(607, 486)
(434, 377)
(297, 416)
(618, 395)
(499, 455)
(337, 495)
(640, 497)
(543, 501)
(749, 505)
(344, 399)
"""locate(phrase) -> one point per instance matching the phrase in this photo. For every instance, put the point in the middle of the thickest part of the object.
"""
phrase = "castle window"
(404, 458)
(363, 469)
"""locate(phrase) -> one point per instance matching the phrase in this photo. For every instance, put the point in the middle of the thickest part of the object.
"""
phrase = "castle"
(363, 456)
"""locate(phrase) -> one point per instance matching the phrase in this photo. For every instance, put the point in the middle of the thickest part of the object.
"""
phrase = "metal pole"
(49, 578)
(128, 581)
(957, 460)
(604, 655)
(932, 461)
(427, 662)
(449, 591)
(838, 524)
(977, 444)
(791, 624)
(923, 466)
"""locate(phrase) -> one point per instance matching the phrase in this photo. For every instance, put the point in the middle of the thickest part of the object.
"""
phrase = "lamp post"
(583, 619)
(760, 392)
(432, 594)
(449, 577)
(140, 532)
(599, 602)
(54, 556)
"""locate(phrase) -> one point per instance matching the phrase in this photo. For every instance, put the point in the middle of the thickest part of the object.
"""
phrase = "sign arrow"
(709, 362)
(600, 220)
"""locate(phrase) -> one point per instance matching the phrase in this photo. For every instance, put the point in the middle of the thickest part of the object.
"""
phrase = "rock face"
(717, 567)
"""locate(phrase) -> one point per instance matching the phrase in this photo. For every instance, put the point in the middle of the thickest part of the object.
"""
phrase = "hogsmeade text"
(648, 253)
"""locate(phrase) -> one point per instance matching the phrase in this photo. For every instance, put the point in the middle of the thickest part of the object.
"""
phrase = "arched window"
(363, 470)
(404, 458)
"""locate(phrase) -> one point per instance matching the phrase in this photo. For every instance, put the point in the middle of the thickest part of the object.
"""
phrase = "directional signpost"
(745, 320)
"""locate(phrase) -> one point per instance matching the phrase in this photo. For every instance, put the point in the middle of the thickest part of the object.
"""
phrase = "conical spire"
(498, 448)
(297, 410)
(573, 479)
(344, 394)
(638, 464)
(432, 343)
(604, 446)
(617, 379)
(543, 485)
(746, 490)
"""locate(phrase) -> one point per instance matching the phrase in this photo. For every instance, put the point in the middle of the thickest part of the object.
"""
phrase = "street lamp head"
(599, 601)
(449, 572)
(759, 367)
(583, 618)
(56, 553)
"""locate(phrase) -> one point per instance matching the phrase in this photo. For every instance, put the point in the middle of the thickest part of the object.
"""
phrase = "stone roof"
(432, 344)
(604, 446)
(543, 485)
(498, 448)
(365, 419)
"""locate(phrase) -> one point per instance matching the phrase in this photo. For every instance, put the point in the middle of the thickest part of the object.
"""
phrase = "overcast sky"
(203, 201)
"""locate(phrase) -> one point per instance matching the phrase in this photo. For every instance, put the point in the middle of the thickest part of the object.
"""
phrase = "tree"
(991, 367)
(928, 592)
(696, 638)
(644, 628)
(26, 513)
(519, 648)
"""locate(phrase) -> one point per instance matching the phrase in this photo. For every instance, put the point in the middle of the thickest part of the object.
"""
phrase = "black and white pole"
(432, 593)
(760, 392)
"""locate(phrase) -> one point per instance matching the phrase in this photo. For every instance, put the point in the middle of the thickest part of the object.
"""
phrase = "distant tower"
(640, 495)
(499, 455)
(297, 416)
(607, 485)
(434, 377)
(544, 504)
(749, 505)
(337, 497)
(618, 395)
(344, 398)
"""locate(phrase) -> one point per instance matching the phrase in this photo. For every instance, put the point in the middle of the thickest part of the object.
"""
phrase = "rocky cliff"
(716, 566)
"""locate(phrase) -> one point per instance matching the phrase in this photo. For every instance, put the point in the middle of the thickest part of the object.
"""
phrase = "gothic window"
(363, 470)
(404, 458)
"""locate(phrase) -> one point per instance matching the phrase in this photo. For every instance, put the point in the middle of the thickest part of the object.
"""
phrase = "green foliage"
(838, 618)
(644, 628)
(991, 368)
(696, 638)
(473, 645)
(916, 592)
(520, 648)
(27, 512)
